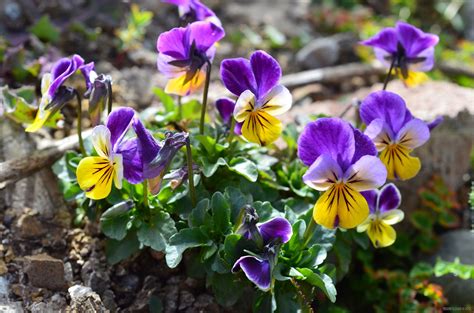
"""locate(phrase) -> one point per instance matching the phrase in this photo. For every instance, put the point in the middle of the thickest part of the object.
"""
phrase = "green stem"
(180, 109)
(109, 97)
(308, 233)
(145, 194)
(204, 97)
(189, 157)
(231, 132)
(389, 74)
(79, 124)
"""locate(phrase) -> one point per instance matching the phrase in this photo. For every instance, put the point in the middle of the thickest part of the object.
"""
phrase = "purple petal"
(371, 197)
(414, 40)
(256, 270)
(132, 163)
(277, 227)
(323, 173)
(425, 65)
(62, 70)
(176, 2)
(86, 70)
(225, 106)
(203, 13)
(174, 43)
(363, 146)
(266, 70)
(238, 128)
(205, 35)
(118, 123)
(414, 134)
(147, 145)
(384, 105)
(331, 136)
(435, 123)
(389, 198)
(237, 76)
(386, 39)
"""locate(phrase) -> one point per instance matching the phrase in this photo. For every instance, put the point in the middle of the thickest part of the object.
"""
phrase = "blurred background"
(316, 42)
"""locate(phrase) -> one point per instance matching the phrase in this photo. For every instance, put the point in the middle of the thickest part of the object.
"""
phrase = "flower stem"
(109, 97)
(389, 74)
(308, 233)
(79, 124)
(180, 109)
(231, 132)
(204, 97)
(145, 194)
(189, 157)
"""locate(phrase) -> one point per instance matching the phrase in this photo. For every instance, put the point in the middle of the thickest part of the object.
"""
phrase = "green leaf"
(244, 167)
(463, 271)
(186, 238)
(113, 222)
(237, 201)
(322, 281)
(226, 288)
(220, 213)
(199, 214)
(422, 220)
(45, 30)
(157, 231)
(208, 168)
(265, 210)
(117, 251)
(166, 100)
(314, 256)
(265, 303)
(421, 270)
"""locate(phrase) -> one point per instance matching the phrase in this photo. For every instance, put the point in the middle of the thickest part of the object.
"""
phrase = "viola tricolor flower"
(225, 107)
(395, 132)
(116, 157)
(384, 212)
(156, 157)
(194, 10)
(271, 235)
(184, 55)
(406, 47)
(260, 97)
(53, 96)
(342, 162)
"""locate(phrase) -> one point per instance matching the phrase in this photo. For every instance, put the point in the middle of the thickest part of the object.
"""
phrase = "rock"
(28, 226)
(108, 298)
(83, 299)
(456, 244)
(45, 271)
(3, 289)
(95, 276)
(186, 299)
(326, 51)
(467, 12)
(3, 267)
(11, 307)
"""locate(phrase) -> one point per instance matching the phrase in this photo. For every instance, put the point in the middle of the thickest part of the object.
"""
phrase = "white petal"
(392, 216)
(365, 174)
(365, 224)
(278, 101)
(101, 141)
(323, 173)
(244, 106)
(118, 166)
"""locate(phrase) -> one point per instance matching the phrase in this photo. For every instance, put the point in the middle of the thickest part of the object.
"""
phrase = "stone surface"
(83, 299)
(457, 244)
(28, 226)
(45, 271)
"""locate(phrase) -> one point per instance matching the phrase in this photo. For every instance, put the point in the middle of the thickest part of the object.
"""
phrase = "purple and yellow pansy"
(384, 212)
(342, 162)
(395, 132)
(405, 48)
(184, 55)
(260, 97)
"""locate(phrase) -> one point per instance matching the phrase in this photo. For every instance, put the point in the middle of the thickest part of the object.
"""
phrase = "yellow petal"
(178, 86)
(414, 78)
(400, 165)
(343, 202)
(381, 234)
(40, 119)
(95, 176)
(262, 128)
(42, 115)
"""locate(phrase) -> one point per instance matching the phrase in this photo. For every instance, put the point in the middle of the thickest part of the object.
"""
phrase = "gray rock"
(45, 271)
(457, 244)
(326, 51)
(94, 276)
(11, 307)
(467, 12)
(83, 299)
(3, 289)
(29, 226)
(186, 299)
